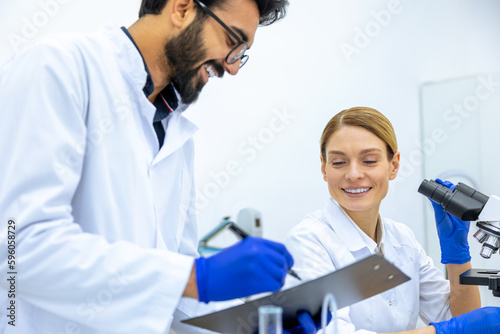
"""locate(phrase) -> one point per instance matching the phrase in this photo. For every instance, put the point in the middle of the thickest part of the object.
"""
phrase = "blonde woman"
(359, 157)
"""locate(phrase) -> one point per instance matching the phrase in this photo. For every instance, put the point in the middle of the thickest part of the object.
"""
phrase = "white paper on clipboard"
(349, 285)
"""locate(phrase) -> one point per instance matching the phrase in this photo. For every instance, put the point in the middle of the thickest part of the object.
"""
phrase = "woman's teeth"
(356, 191)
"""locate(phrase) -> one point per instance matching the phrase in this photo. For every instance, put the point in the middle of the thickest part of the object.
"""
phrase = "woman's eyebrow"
(369, 150)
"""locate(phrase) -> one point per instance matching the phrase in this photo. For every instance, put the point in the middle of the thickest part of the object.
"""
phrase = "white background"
(298, 68)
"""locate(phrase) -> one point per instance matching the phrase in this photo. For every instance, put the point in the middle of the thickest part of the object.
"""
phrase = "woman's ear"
(323, 167)
(395, 165)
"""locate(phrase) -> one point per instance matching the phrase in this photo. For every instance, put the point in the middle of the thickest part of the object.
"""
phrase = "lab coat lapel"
(178, 130)
(392, 253)
(347, 232)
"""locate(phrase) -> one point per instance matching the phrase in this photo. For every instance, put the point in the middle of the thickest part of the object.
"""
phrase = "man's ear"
(182, 12)
(323, 167)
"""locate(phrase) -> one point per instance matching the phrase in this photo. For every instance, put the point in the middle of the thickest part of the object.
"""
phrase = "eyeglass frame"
(244, 58)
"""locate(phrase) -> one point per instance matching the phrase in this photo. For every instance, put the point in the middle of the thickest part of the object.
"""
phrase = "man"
(97, 173)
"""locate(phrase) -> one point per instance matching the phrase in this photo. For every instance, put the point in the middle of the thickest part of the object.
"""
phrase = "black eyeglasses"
(238, 52)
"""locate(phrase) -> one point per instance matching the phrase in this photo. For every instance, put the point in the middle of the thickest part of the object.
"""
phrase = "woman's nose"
(354, 172)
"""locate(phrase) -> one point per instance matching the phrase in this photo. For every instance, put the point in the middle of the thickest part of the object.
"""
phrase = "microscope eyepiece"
(436, 192)
(462, 202)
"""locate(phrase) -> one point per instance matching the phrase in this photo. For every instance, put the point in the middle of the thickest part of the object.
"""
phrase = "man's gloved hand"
(485, 320)
(253, 265)
(452, 233)
(308, 324)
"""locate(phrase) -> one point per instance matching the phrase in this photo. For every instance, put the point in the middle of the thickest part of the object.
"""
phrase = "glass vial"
(270, 319)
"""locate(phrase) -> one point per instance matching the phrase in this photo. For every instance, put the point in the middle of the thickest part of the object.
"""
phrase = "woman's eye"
(338, 163)
(370, 162)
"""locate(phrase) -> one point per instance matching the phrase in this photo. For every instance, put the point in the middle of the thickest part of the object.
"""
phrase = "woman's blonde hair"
(367, 118)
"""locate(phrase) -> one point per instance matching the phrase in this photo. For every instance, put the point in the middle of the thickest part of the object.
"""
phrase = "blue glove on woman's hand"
(452, 233)
(253, 265)
(484, 320)
(308, 324)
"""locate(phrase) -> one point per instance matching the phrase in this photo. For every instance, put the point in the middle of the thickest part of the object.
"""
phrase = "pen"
(242, 234)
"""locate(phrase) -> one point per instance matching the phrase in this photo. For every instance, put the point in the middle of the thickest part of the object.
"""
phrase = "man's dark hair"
(270, 10)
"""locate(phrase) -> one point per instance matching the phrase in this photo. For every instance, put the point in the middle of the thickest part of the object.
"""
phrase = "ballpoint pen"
(242, 234)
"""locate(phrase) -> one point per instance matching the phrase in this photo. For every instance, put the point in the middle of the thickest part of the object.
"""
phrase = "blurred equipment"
(466, 203)
(248, 219)
(242, 235)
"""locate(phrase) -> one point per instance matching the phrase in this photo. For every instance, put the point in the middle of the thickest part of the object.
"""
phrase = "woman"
(359, 157)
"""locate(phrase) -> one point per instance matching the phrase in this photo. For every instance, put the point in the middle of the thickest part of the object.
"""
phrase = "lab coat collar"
(179, 129)
(348, 231)
(168, 99)
(149, 87)
(128, 55)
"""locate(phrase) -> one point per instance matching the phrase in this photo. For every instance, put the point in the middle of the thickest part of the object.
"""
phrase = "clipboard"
(349, 285)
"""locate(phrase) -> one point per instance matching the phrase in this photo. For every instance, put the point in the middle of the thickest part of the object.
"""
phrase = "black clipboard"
(349, 285)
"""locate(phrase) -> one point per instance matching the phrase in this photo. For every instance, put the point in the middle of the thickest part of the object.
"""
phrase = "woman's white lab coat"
(105, 227)
(328, 240)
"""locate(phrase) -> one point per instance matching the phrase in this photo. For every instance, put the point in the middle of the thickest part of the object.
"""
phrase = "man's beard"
(183, 53)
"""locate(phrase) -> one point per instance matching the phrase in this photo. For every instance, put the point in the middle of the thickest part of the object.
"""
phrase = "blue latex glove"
(308, 324)
(485, 320)
(452, 233)
(253, 265)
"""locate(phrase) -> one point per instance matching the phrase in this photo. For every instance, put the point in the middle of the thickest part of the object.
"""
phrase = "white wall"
(297, 68)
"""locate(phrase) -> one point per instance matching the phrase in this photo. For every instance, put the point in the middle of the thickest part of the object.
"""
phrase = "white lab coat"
(105, 225)
(328, 240)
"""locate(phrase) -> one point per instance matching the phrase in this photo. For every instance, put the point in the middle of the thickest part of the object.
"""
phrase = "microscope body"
(466, 203)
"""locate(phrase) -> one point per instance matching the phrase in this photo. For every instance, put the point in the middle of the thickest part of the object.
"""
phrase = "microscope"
(249, 220)
(466, 203)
